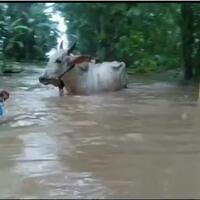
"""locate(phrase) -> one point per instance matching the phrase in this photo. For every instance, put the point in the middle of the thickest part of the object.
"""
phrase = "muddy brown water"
(142, 142)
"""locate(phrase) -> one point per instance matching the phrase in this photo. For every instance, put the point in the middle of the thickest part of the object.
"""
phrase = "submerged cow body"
(80, 75)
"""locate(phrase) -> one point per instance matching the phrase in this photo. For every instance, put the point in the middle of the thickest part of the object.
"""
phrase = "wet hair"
(4, 93)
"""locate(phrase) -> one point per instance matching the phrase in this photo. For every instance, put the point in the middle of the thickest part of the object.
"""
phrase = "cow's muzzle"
(44, 80)
(56, 82)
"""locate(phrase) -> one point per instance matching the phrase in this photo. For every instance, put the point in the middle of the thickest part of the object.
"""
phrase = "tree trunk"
(29, 46)
(197, 64)
(187, 39)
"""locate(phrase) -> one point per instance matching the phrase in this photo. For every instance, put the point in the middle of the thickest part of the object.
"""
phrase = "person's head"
(4, 95)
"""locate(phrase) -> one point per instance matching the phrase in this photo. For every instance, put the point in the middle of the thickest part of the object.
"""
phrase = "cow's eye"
(58, 61)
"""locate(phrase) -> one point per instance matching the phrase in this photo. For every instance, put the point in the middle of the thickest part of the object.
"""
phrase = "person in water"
(4, 95)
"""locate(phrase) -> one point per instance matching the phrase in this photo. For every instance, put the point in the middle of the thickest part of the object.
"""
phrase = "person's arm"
(4, 95)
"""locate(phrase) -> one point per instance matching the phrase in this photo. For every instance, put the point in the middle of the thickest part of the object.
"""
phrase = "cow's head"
(60, 63)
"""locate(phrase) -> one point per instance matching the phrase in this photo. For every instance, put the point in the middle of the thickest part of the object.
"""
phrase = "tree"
(28, 34)
(187, 39)
(145, 36)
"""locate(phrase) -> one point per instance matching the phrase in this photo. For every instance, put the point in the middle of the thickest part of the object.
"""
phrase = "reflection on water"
(141, 142)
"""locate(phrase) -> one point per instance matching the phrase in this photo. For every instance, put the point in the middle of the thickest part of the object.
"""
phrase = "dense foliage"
(149, 37)
(145, 35)
(26, 31)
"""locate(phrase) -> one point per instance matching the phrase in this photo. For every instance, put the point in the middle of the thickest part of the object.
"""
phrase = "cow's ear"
(80, 59)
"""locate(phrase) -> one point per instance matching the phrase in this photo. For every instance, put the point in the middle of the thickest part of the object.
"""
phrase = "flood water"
(142, 142)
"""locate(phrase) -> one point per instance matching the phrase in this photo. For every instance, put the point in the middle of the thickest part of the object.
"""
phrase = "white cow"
(80, 75)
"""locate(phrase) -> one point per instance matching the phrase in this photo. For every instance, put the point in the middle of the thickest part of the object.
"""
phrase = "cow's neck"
(71, 80)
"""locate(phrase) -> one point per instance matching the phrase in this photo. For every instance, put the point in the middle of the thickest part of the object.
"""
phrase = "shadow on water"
(140, 142)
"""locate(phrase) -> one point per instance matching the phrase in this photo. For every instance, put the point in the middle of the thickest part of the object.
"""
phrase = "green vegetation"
(149, 37)
(26, 32)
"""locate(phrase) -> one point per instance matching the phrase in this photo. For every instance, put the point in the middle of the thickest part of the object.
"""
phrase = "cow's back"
(107, 76)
